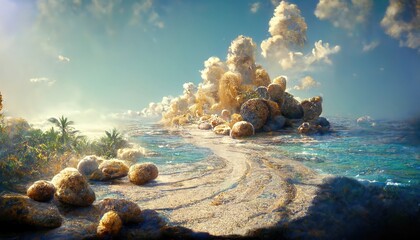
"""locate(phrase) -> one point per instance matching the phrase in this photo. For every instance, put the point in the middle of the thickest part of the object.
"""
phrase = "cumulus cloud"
(255, 7)
(143, 11)
(288, 32)
(370, 46)
(157, 109)
(306, 83)
(241, 58)
(44, 80)
(402, 22)
(344, 14)
(61, 58)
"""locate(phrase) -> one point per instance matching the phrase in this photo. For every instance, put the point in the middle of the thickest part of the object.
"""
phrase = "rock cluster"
(98, 169)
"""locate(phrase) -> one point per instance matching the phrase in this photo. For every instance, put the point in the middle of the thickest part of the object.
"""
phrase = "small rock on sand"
(41, 191)
(128, 211)
(242, 129)
(109, 225)
(142, 173)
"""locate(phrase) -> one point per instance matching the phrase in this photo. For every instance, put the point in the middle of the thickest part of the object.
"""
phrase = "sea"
(382, 153)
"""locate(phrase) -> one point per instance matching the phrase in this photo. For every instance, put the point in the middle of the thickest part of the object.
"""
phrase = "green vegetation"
(26, 152)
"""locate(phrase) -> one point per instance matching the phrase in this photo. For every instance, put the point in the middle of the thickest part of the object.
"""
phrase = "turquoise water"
(387, 154)
(167, 147)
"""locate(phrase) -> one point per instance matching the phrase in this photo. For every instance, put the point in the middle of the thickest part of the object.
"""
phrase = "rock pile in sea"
(271, 109)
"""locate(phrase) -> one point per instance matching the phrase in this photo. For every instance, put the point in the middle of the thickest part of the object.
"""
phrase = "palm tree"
(65, 126)
(111, 142)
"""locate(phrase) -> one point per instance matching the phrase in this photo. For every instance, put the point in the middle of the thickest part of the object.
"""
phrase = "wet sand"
(237, 189)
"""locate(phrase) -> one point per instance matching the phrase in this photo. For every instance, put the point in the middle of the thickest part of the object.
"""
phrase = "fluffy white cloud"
(45, 80)
(61, 58)
(402, 22)
(241, 58)
(370, 46)
(288, 32)
(255, 7)
(306, 83)
(157, 109)
(344, 13)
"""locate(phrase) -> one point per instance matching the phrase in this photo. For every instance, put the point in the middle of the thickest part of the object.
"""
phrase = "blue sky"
(59, 57)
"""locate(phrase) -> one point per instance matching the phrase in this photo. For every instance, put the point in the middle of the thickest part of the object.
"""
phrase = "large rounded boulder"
(128, 211)
(142, 173)
(41, 191)
(256, 112)
(281, 81)
(73, 188)
(242, 129)
(275, 124)
(23, 211)
(291, 108)
(262, 92)
(312, 108)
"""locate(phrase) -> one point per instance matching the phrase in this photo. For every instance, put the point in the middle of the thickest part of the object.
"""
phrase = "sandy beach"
(235, 190)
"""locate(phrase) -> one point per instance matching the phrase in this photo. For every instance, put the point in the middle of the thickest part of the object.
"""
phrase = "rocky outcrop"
(256, 112)
(273, 108)
(128, 211)
(41, 191)
(291, 108)
(142, 173)
(312, 108)
(72, 188)
(242, 129)
(320, 125)
(21, 210)
(109, 225)
(110, 169)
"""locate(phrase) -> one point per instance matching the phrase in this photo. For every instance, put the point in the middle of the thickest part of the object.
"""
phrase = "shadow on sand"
(342, 209)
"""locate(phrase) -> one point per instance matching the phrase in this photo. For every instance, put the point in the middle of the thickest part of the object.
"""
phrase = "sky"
(93, 58)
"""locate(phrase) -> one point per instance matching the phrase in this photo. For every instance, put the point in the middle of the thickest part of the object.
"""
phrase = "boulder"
(41, 191)
(256, 112)
(204, 126)
(73, 188)
(88, 165)
(128, 211)
(222, 129)
(110, 169)
(312, 108)
(275, 124)
(109, 225)
(291, 108)
(276, 92)
(281, 81)
(322, 125)
(142, 173)
(262, 92)
(131, 154)
(242, 129)
(21, 210)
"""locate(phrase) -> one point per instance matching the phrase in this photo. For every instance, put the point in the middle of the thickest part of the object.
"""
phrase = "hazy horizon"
(89, 60)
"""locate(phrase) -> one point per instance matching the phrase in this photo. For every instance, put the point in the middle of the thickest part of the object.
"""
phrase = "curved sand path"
(237, 189)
